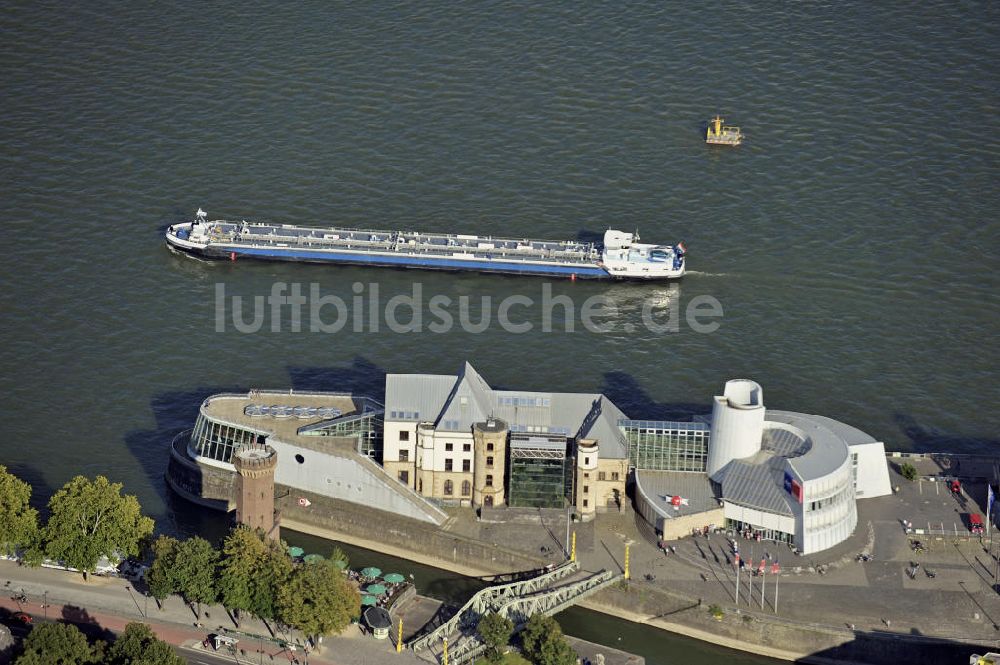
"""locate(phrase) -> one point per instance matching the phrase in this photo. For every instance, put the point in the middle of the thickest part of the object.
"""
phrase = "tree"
(544, 643)
(339, 555)
(908, 471)
(194, 571)
(495, 630)
(317, 599)
(272, 573)
(18, 520)
(555, 650)
(60, 643)
(139, 645)
(90, 519)
(160, 577)
(253, 568)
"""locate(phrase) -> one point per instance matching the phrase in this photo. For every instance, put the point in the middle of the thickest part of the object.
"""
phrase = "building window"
(614, 475)
(404, 477)
(584, 503)
(466, 465)
(489, 447)
(602, 475)
(586, 461)
(466, 488)
(447, 464)
(489, 462)
(586, 489)
(489, 480)
(420, 485)
(300, 459)
(404, 435)
(449, 488)
(449, 447)
(466, 447)
(586, 476)
(404, 455)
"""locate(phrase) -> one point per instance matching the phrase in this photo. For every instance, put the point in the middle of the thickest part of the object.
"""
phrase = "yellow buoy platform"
(719, 134)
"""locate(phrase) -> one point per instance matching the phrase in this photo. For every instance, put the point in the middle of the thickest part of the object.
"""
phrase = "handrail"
(490, 598)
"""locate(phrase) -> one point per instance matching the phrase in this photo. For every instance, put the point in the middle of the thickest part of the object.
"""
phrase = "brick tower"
(255, 488)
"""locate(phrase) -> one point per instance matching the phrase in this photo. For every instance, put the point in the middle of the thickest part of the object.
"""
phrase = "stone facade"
(490, 447)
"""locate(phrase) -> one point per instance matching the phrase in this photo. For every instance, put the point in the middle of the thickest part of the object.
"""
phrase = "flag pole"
(737, 580)
(989, 504)
(776, 578)
(762, 578)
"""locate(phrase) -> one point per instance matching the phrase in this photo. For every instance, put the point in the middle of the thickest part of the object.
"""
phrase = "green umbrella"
(295, 551)
(393, 578)
(368, 600)
(375, 589)
(312, 558)
(371, 572)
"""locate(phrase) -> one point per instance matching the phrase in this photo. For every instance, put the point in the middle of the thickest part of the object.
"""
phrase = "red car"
(22, 617)
(976, 523)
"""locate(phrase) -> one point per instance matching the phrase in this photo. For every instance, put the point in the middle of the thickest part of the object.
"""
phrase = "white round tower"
(737, 423)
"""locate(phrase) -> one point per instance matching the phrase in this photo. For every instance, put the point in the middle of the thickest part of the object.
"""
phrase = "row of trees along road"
(88, 520)
(253, 574)
(91, 519)
(64, 644)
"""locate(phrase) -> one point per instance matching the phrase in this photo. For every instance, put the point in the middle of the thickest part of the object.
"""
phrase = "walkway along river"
(657, 646)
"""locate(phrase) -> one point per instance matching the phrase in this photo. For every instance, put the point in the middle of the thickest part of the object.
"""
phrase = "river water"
(852, 242)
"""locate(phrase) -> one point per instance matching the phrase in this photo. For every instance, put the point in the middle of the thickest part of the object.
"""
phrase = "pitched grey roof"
(469, 402)
(416, 397)
(695, 487)
(455, 403)
(757, 482)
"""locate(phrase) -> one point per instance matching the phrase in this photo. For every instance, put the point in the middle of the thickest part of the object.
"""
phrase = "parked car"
(22, 617)
(975, 523)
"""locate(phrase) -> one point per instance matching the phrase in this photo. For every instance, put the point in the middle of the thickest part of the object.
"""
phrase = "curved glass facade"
(217, 441)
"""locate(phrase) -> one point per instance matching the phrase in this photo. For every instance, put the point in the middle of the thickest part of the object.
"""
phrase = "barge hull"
(410, 262)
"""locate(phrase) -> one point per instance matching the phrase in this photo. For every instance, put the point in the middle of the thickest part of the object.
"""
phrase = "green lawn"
(508, 659)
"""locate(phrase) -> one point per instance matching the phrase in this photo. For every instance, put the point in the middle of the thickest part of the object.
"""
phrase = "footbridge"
(549, 592)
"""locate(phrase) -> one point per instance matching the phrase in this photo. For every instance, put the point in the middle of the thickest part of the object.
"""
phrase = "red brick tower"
(255, 488)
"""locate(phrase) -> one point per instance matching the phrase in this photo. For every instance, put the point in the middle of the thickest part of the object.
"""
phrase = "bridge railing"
(491, 599)
(520, 610)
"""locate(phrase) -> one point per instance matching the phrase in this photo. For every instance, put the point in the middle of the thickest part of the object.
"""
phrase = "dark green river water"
(853, 242)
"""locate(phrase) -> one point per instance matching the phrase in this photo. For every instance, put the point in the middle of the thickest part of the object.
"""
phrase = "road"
(102, 605)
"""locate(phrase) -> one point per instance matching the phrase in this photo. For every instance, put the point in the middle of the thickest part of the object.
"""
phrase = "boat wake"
(700, 273)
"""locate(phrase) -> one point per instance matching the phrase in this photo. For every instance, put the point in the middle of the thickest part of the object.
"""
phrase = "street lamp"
(45, 603)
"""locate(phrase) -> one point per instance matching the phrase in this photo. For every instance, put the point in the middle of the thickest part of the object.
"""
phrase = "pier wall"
(351, 522)
(781, 638)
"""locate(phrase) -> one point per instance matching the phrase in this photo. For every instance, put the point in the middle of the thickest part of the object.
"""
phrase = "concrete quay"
(830, 606)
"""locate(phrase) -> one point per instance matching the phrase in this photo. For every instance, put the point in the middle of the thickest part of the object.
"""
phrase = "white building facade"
(781, 476)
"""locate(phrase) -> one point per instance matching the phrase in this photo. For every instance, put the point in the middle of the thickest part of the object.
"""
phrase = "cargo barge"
(620, 256)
